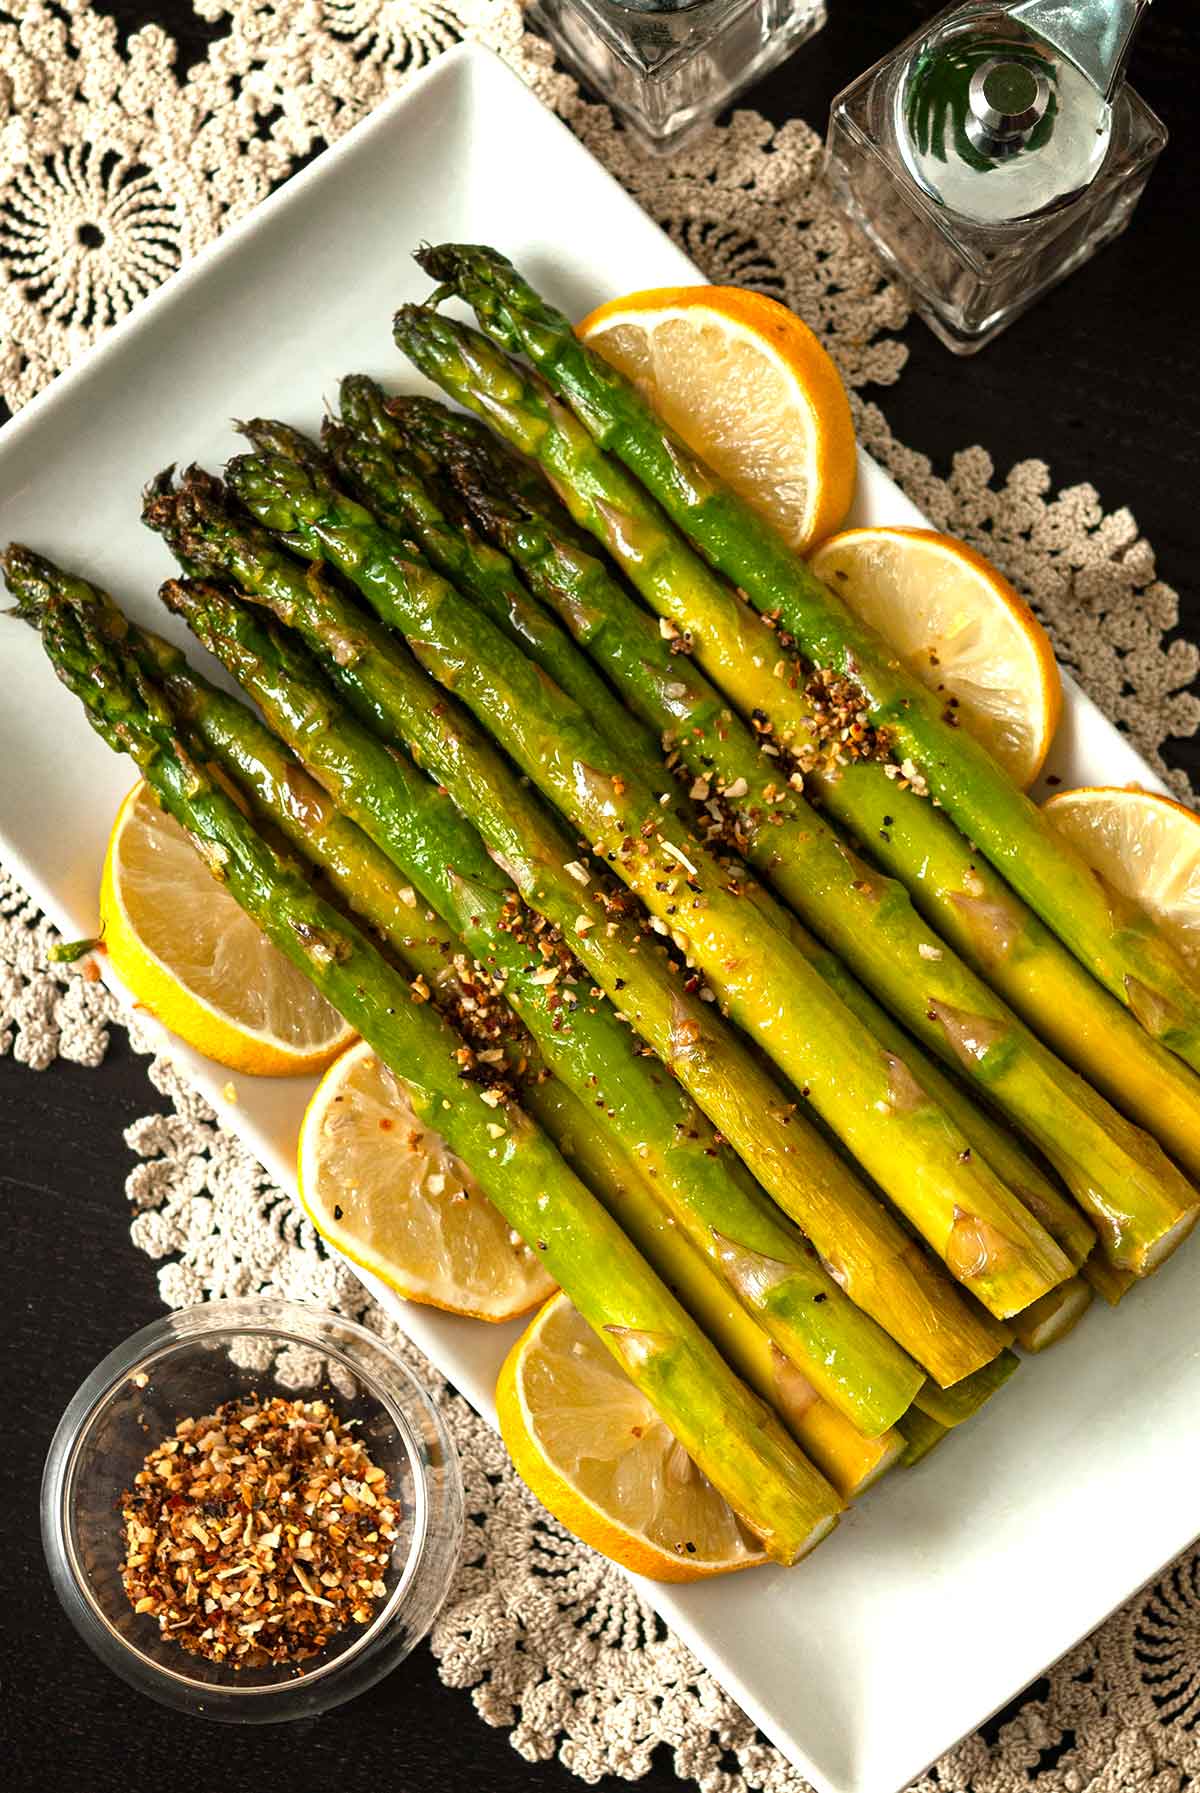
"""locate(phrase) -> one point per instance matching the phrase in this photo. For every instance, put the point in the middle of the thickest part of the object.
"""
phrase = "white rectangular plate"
(953, 1585)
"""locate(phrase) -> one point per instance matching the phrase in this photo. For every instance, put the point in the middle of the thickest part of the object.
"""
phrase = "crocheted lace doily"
(116, 164)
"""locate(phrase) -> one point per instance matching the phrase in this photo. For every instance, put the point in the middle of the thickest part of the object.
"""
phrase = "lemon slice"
(192, 956)
(1147, 847)
(749, 388)
(960, 627)
(390, 1195)
(596, 1454)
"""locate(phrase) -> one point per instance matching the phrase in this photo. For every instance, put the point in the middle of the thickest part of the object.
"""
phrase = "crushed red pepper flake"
(254, 1534)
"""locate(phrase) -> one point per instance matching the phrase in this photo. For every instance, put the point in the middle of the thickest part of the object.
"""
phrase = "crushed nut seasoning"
(256, 1533)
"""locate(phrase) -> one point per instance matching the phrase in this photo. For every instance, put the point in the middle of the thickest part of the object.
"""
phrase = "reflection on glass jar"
(669, 66)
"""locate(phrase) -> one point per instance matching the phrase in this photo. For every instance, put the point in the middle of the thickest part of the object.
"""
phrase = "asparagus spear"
(767, 1265)
(738, 1444)
(1114, 939)
(968, 904)
(736, 936)
(879, 1265)
(482, 571)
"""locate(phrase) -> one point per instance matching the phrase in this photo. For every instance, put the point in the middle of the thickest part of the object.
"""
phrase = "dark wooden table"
(1101, 380)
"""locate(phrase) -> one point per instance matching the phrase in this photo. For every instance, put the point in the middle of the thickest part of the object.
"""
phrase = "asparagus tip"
(166, 500)
(180, 594)
(30, 579)
(162, 483)
(445, 261)
(424, 255)
(411, 313)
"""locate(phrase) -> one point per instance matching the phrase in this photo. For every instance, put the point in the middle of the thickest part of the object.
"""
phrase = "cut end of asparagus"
(892, 1454)
(1161, 1250)
(817, 1535)
(1051, 1318)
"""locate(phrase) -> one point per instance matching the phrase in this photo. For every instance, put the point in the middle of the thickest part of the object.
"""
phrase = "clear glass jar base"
(966, 331)
(186, 1364)
(668, 69)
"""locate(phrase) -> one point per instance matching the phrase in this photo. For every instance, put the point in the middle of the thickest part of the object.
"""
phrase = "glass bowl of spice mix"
(251, 1510)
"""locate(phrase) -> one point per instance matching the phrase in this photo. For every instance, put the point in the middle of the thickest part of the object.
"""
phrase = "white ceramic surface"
(954, 1584)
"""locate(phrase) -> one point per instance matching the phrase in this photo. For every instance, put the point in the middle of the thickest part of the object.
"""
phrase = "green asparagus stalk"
(1116, 941)
(1033, 1185)
(736, 937)
(480, 570)
(878, 1265)
(968, 904)
(773, 1271)
(450, 440)
(733, 1438)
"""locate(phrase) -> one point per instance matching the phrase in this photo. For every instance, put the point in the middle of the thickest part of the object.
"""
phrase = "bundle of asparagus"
(840, 1168)
(387, 688)
(738, 1443)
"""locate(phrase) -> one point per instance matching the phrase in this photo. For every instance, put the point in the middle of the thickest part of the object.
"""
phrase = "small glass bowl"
(188, 1363)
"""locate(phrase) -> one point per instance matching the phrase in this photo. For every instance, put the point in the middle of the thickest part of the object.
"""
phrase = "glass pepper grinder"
(667, 67)
(994, 152)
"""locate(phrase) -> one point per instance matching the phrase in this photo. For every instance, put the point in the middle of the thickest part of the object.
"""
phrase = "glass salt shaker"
(994, 152)
(669, 66)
